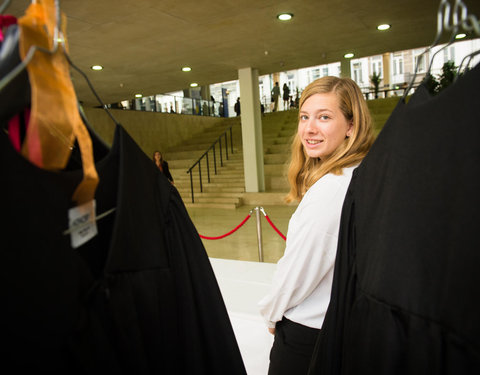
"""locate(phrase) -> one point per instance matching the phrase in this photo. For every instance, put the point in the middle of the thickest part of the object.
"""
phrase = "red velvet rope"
(229, 233)
(274, 227)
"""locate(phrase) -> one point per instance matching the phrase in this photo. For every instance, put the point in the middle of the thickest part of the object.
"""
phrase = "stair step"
(277, 141)
(279, 169)
(224, 189)
(185, 147)
(211, 185)
(275, 158)
(228, 206)
(207, 188)
(185, 184)
(184, 179)
(277, 149)
(229, 200)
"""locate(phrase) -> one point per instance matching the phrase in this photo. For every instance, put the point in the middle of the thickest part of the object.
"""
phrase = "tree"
(431, 84)
(375, 80)
(445, 79)
(449, 72)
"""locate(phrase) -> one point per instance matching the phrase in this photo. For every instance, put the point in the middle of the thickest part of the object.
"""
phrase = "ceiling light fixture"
(186, 69)
(138, 95)
(193, 84)
(97, 67)
(285, 16)
(383, 27)
(348, 55)
(460, 36)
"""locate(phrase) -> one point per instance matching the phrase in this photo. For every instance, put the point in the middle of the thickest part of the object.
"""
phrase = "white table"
(243, 284)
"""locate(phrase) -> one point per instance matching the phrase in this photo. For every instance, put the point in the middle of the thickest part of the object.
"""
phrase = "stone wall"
(151, 130)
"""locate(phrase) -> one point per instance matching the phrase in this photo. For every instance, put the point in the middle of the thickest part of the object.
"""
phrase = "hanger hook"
(443, 13)
(4, 6)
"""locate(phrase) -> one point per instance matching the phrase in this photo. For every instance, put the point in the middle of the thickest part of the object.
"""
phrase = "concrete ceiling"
(143, 44)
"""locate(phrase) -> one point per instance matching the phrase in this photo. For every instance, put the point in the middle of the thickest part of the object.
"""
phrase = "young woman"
(334, 134)
(162, 165)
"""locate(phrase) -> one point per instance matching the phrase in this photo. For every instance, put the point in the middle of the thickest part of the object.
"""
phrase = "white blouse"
(303, 278)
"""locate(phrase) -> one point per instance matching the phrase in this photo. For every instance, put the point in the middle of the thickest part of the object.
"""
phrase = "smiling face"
(322, 127)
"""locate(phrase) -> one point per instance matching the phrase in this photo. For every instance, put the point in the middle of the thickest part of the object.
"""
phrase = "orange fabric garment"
(55, 122)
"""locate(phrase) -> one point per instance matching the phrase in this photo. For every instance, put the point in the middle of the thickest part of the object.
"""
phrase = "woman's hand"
(272, 331)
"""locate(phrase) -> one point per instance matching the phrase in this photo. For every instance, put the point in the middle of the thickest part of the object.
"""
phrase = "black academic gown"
(139, 298)
(405, 289)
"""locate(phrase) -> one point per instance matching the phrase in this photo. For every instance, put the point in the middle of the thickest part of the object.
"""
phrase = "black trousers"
(292, 348)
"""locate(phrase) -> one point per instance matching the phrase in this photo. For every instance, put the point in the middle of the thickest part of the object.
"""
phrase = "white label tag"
(82, 223)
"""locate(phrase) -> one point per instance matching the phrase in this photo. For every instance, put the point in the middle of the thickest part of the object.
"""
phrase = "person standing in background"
(286, 96)
(334, 134)
(162, 165)
(275, 96)
(236, 107)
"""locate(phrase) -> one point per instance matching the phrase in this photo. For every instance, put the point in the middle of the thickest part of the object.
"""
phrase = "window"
(315, 74)
(420, 61)
(377, 66)
(449, 54)
(357, 73)
(397, 64)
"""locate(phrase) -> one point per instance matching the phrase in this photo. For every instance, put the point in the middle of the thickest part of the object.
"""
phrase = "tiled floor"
(243, 244)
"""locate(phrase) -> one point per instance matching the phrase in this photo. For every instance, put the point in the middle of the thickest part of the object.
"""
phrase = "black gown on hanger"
(139, 298)
(404, 296)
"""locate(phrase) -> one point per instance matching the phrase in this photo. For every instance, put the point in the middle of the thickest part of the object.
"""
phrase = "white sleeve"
(310, 252)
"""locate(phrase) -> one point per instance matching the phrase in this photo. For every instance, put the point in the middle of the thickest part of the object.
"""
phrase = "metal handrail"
(205, 155)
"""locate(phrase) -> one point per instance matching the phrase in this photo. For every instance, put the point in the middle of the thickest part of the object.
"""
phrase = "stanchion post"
(259, 234)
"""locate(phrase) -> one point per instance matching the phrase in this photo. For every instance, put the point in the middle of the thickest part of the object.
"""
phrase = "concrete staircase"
(227, 188)
(380, 109)
(278, 131)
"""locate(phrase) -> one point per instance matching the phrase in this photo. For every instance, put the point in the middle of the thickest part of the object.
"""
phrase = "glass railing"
(164, 103)
(172, 104)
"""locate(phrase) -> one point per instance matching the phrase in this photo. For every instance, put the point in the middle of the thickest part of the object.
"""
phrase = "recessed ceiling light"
(383, 27)
(194, 84)
(285, 16)
(97, 67)
(138, 95)
(460, 36)
(186, 69)
(348, 55)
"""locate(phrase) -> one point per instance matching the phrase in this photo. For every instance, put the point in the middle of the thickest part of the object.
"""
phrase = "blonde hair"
(304, 171)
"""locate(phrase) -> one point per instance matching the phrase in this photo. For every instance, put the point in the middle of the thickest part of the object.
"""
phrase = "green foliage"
(445, 79)
(375, 80)
(431, 84)
(449, 71)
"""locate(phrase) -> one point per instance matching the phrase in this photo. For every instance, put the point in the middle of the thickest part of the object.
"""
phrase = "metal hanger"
(453, 28)
(5, 5)
(58, 38)
(460, 20)
(469, 24)
(443, 14)
(23, 64)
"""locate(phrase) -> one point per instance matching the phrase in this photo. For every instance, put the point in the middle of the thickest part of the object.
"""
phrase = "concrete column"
(345, 70)
(386, 69)
(252, 139)
(205, 92)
